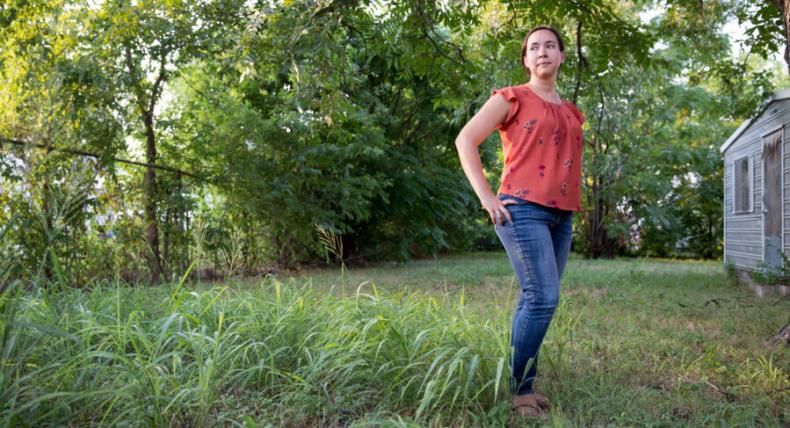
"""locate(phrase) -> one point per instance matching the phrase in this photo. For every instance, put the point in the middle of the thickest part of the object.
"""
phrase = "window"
(743, 186)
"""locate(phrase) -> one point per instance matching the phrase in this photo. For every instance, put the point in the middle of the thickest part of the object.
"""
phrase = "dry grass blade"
(331, 241)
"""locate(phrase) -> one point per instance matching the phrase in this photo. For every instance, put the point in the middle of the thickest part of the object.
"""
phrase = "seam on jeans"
(530, 274)
(529, 277)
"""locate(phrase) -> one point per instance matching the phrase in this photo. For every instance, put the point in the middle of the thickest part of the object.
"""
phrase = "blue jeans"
(537, 243)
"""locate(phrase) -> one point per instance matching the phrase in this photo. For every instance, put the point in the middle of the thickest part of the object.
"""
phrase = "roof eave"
(780, 95)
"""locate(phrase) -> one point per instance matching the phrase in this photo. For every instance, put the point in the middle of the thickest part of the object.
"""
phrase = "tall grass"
(281, 353)
(633, 343)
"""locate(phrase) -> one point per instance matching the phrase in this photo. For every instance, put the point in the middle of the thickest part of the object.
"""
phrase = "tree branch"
(136, 84)
(424, 27)
(160, 79)
(76, 152)
(582, 61)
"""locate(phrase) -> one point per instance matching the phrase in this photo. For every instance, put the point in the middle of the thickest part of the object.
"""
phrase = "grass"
(634, 343)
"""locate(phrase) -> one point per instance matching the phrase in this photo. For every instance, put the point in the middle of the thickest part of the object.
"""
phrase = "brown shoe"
(527, 406)
(542, 401)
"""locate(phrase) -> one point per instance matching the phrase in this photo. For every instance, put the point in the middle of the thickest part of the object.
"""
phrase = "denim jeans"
(537, 243)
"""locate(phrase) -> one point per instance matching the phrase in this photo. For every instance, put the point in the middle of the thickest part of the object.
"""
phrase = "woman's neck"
(544, 86)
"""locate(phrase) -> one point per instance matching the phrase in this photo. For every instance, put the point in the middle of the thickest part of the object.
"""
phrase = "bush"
(772, 275)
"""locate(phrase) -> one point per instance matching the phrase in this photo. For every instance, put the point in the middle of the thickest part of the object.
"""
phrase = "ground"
(635, 342)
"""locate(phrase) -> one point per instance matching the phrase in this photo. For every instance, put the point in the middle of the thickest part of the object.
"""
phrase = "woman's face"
(543, 56)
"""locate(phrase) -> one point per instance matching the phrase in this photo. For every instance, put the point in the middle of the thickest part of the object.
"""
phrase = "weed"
(773, 275)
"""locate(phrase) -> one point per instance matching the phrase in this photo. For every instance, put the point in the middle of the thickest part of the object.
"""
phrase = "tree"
(770, 26)
(333, 117)
(141, 46)
(343, 113)
(52, 102)
(656, 122)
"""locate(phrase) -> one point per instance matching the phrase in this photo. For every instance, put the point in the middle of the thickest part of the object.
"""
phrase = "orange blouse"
(542, 143)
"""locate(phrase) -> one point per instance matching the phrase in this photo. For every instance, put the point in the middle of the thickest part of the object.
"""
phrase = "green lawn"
(634, 343)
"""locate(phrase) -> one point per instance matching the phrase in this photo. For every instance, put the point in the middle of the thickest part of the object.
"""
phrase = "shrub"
(773, 275)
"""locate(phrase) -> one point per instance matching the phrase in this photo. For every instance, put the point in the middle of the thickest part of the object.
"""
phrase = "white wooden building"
(757, 188)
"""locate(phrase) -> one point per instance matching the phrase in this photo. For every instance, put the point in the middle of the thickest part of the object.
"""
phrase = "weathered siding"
(786, 191)
(743, 237)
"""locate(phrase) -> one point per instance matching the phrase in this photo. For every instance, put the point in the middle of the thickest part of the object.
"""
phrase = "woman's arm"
(480, 126)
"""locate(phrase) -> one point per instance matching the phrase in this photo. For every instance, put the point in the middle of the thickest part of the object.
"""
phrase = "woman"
(532, 214)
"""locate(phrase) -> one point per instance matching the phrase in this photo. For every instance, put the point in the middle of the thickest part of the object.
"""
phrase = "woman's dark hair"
(538, 28)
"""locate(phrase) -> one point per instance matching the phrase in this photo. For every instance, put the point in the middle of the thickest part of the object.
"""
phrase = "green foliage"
(731, 274)
(773, 275)
(283, 115)
(8, 263)
(349, 141)
(765, 30)
(653, 172)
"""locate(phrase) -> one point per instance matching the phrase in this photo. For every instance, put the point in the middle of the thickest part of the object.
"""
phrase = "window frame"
(750, 179)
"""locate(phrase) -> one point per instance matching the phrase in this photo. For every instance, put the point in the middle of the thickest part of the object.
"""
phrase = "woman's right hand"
(497, 210)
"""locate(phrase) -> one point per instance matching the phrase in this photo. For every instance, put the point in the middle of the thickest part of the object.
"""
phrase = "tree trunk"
(151, 220)
(784, 9)
(166, 241)
(48, 232)
(597, 234)
(582, 61)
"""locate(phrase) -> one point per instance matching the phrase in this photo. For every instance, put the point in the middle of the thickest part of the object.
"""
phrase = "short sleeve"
(579, 115)
(510, 95)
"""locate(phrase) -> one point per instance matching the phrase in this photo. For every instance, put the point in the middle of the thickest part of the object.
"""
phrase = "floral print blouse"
(542, 144)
